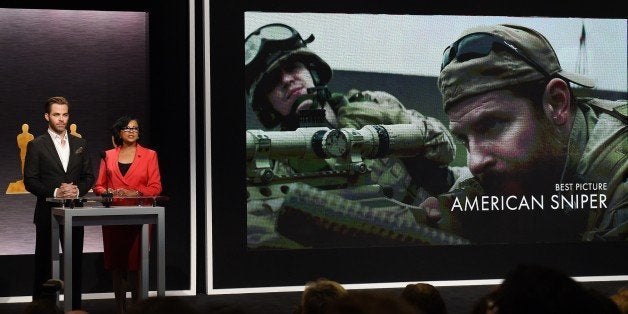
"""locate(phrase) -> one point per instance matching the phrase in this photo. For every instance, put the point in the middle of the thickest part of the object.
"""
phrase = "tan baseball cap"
(500, 68)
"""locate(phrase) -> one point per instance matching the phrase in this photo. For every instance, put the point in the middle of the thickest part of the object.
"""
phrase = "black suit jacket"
(43, 171)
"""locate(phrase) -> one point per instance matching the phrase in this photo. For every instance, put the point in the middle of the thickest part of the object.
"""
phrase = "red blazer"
(143, 175)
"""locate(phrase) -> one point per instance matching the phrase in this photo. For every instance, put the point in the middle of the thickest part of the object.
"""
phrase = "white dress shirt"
(62, 151)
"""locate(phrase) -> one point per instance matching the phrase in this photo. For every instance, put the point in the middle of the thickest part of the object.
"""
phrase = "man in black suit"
(57, 164)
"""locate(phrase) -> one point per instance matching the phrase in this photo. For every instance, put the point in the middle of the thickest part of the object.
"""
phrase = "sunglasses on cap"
(270, 41)
(478, 45)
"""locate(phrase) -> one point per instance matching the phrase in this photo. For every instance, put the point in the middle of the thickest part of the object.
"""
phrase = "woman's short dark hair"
(120, 124)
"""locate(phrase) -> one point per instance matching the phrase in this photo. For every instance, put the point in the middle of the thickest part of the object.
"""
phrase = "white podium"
(113, 215)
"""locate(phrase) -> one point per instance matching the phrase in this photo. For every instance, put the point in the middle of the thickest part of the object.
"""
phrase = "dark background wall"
(167, 122)
(108, 59)
(234, 266)
(74, 54)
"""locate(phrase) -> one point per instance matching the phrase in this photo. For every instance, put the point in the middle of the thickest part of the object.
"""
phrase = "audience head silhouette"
(621, 299)
(318, 294)
(424, 297)
(538, 289)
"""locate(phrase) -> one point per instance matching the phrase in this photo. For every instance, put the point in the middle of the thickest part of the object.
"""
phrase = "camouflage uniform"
(356, 110)
(270, 47)
(487, 58)
(597, 153)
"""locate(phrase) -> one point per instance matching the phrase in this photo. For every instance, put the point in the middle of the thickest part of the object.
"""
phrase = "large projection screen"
(399, 54)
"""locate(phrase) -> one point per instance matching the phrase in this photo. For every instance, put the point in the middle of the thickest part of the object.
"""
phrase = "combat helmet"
(265, 50)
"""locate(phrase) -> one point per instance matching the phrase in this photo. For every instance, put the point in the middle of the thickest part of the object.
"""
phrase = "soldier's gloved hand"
(439, 208)
(304, 102)
(432, 210)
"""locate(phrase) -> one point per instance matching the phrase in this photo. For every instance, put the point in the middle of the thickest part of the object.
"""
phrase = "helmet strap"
(320, 91)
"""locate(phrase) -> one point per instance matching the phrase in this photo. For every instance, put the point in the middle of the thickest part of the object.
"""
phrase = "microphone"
(107, 196)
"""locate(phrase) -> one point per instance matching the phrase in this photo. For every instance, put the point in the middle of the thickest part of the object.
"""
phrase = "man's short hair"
(55, 100)
(425, 298)
(319, 294)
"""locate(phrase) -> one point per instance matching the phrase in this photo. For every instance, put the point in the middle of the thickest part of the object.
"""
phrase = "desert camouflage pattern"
(387, 198)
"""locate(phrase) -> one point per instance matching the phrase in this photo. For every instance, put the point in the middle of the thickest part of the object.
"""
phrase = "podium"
(106, 214)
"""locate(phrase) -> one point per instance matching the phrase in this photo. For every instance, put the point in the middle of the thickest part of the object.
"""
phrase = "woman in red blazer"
(127, 170)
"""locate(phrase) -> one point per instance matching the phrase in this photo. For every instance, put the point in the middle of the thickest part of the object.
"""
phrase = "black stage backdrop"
(108, 58)
(167, 120)
(234, 266)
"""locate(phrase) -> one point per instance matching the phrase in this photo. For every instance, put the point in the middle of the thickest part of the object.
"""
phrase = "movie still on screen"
(360, 134)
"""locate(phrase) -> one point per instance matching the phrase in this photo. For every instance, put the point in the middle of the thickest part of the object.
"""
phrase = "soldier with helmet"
(272, 52)
(286, 86)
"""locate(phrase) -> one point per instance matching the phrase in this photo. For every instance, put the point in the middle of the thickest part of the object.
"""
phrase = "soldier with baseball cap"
(511, 103)
(285, 81)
